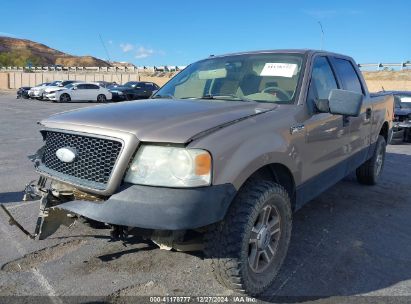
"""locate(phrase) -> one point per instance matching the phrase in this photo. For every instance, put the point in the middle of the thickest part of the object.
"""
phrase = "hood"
(53, 88)
(56, 89)
(161, 120)
(38, 88)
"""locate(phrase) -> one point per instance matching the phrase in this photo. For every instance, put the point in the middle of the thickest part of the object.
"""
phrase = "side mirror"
(74, 88)
(341, 102)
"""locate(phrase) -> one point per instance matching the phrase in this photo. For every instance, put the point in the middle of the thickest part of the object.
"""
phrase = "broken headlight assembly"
(170, 167)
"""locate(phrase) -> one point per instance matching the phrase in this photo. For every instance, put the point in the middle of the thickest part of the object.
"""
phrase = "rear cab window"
(347, 75)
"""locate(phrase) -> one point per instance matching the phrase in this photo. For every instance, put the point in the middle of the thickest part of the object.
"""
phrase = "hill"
(21, 52)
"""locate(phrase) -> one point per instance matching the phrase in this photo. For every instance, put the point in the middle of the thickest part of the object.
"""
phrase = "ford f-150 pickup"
(226, 151)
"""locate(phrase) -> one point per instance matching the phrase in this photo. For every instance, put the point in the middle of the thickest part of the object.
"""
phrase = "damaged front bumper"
(133, 206)
(158, 208)
(49, 218)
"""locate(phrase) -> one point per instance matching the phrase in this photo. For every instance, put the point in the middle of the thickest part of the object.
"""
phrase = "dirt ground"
(352, 244)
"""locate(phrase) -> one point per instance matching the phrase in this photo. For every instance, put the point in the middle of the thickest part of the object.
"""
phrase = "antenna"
(322, 35)
(104, 46)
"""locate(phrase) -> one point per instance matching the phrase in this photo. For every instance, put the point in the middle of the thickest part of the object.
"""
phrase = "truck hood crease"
(161, 120)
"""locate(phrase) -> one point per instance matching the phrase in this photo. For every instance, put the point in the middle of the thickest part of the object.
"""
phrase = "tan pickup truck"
(226, 151)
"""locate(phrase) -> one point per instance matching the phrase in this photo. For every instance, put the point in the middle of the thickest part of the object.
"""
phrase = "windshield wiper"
(230, 96)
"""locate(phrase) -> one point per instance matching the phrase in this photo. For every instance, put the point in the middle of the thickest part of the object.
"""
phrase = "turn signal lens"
(203, 164)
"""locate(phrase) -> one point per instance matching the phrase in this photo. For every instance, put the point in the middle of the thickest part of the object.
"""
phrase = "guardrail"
(116, 69)
(379, 66)
(126, 69)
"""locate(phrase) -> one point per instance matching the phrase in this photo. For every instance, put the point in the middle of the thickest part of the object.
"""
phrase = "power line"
(322, 35)
(104, 46)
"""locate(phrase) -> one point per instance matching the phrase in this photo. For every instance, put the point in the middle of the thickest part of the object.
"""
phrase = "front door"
(326, 144)
(360, 127)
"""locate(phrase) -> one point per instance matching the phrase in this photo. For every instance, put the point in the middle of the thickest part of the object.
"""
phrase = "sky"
(178, 32)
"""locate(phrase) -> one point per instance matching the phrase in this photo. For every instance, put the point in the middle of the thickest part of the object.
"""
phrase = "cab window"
(349, 77)
(81, 86)
(322, 79)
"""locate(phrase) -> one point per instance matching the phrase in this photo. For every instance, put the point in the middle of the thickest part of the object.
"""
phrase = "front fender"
(241, 149)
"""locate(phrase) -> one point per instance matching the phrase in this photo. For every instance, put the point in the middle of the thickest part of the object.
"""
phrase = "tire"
(232, 243)
(407, 135)
(370, 171)
(398, 137)
(65, 98)
(101, 98)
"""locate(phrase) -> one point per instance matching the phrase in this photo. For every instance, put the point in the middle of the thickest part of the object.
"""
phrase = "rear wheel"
(369, 172)
(65, 98)
(101, 98)
(248, 247)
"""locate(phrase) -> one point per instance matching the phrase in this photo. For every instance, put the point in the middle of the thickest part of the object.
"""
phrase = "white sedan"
(82, 91)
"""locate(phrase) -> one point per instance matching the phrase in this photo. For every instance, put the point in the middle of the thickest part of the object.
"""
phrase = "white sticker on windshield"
(406, 99)
(279, 69)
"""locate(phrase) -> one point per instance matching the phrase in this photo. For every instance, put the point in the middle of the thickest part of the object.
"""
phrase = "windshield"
(54, 83)
(260, 77)
(131, 84)
(70, 85)
(403, 101)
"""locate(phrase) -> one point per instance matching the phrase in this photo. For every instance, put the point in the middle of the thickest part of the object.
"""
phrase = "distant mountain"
(22, 52)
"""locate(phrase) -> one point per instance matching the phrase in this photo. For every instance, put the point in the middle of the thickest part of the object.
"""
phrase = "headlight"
(170, 167)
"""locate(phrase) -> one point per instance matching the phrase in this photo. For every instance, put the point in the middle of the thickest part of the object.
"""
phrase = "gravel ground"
(352, 240)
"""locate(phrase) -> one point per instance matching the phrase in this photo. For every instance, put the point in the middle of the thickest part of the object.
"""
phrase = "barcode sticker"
(279, 69)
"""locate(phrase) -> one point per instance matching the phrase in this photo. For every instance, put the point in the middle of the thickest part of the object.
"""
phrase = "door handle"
(368, 113)
(346, 120)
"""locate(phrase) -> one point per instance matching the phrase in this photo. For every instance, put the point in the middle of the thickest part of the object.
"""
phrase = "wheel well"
(279, 174)
(384, 131)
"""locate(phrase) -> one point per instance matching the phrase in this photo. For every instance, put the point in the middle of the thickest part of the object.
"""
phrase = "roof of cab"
(290, 51)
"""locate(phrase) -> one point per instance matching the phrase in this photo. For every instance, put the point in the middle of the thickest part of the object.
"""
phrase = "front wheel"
(101, 98)
(369, 172)
(248, 247)
(65, 98)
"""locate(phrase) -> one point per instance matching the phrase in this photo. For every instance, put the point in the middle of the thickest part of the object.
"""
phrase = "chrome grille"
(94, 161)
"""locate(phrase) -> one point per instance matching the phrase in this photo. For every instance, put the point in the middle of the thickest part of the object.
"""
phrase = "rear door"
(80, 93)
(93, 91)
(360, 127)
(142, 91)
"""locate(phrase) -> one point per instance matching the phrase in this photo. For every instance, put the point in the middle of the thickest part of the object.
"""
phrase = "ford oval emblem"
(66, 154)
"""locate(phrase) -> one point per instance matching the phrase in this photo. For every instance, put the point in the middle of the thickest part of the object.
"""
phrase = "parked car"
(228, 149)
(105, 84)
(23, 92)
(80, 91)
(37, 91)
(133, 90)
(54, 89)
(402, 116)
(50, 89)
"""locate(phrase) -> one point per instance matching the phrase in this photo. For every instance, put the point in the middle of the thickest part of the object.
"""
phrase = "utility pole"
(322, 35)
